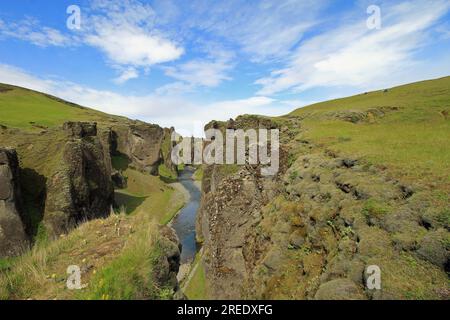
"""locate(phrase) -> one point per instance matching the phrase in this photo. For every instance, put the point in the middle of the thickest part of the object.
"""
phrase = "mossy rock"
(339, 289)
(435, 248)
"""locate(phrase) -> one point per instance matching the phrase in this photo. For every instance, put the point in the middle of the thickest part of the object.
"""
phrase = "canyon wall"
(312, 231)
(13, 239)
(80, 188)
(67, 175)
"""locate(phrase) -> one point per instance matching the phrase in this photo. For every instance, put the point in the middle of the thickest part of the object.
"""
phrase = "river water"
(184, 222)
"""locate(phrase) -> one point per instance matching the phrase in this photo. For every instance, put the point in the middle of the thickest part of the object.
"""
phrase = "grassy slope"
(411, 142)
(149, 194)
(27, 109)
(116, 253)
(194, 287)
(120, 245)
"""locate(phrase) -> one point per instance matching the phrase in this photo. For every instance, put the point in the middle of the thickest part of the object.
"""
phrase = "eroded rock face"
(232, 198)
(81, 187)
(141, 143)
(13, 239)
(80, 129)
(169, 261)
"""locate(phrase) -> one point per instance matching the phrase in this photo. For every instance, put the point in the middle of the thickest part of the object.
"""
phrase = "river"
(184, 222)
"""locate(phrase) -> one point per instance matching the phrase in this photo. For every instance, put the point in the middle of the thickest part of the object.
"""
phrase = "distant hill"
(27, 109)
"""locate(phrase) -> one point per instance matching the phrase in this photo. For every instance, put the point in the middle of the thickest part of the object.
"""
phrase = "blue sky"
(181, 63)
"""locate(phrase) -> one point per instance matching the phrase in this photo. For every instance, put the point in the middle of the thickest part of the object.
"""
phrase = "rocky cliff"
(311, 231)
(13, 239)
(67, 171)
(80, 188)
(142, 144)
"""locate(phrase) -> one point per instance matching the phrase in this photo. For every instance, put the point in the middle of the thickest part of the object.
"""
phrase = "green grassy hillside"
(27, 109)
(405, 129)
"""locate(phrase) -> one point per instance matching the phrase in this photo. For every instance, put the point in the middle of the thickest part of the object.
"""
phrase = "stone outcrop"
(13, 239)
(80, 187)
(232, 198)
(169, 262)
(141, 143)
(166, 150)
(80, 130)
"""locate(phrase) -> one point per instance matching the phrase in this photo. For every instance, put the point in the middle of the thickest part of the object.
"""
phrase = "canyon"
(361, 181)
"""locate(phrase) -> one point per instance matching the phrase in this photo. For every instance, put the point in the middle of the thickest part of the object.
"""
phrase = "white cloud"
(127, 74)
(127, 45)
(164, 110)
(200, 72)
(16, 76)
(174, 88)
(355, 56)
(125, 32)
(263, 29)
(30, 30)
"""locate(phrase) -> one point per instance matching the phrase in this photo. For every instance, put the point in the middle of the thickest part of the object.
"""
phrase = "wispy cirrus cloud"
(262, 29)
(353, 55)
(200, 72)
(30, 30)
(127, 74)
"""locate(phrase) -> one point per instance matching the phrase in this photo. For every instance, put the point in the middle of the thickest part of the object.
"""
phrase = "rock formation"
(141, 143)
(169, 261)
(80, 187)
(145, 146)
(13, 239)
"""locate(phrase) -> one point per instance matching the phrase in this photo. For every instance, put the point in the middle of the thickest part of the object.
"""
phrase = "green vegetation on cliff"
(405, 129)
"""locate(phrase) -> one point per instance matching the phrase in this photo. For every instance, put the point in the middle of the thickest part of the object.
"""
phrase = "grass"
(117, 257)
(166, 174)
(198, 174)
(196, 288)
(120, 162)
(30, 110)
(131, 275)
(119, 253)
(374, 209)
(150, 195)
(5, 264)
(410, 141)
